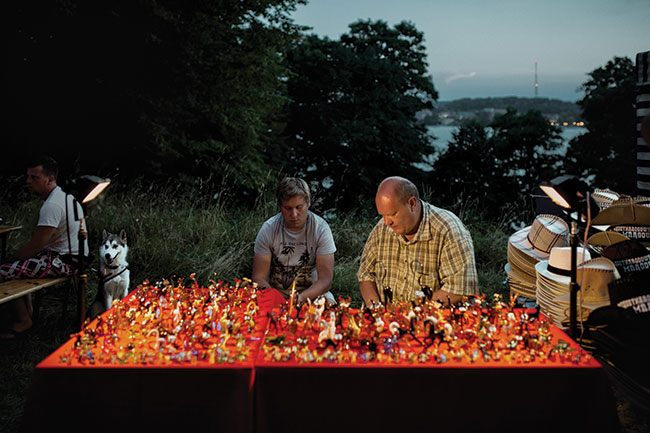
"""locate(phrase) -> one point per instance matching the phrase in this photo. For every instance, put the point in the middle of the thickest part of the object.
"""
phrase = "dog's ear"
(123, 235)
(105, 235)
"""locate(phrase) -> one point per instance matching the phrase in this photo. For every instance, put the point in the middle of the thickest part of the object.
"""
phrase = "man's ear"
(412, 201)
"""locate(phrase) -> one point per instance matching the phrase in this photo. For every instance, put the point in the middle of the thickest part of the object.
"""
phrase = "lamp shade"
(87, 188)
(571, 194)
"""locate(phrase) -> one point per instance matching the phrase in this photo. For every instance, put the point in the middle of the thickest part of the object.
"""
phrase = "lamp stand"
(573, 286)
(81, 272)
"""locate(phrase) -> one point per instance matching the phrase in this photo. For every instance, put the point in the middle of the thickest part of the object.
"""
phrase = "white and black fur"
(114, 275)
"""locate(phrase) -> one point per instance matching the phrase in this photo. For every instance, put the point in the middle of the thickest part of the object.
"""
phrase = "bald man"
(415, 249)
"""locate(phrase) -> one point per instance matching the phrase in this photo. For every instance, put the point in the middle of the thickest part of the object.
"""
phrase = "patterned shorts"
(45, 264)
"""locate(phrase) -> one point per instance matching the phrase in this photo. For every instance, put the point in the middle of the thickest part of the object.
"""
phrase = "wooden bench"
(14, 289)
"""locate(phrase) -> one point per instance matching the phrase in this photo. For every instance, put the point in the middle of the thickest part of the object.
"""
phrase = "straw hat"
(520, 283)
(605, 197)
(605, 239)
(632, 292)
(553, 279)
(557, 269)
(629, 256)
(528, 246)
(638, 232)
(537, 240)
(623, 212)
(593, 277)
(600, 240)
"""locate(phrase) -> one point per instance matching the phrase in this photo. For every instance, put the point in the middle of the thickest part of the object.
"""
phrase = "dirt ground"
(632, 418)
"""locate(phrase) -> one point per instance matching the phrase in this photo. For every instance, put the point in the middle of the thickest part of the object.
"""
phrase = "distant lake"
(443, 134)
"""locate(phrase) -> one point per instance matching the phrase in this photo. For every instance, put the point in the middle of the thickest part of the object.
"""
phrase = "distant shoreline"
(443, 134)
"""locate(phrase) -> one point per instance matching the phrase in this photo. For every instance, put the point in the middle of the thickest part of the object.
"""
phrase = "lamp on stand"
(84, 190)
(573, 196)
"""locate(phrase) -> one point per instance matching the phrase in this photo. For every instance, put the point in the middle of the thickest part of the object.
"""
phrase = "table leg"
(3, 252)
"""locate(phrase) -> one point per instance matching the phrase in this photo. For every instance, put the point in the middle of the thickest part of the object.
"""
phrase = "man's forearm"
(261, 282)
(26, 251)
(369, 293)
(319, 287)
(446, 298)
(40, 239)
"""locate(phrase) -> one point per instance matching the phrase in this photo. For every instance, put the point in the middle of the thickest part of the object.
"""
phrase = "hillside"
(484, 109)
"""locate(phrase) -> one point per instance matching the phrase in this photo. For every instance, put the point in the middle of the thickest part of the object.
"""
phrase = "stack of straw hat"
(529, 246)
(554, 278)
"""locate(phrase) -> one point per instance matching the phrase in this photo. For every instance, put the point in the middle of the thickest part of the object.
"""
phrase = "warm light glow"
(555, 196)
(96, 191)
(293, 294)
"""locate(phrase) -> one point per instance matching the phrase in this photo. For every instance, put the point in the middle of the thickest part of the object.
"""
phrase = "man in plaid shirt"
(416, 249)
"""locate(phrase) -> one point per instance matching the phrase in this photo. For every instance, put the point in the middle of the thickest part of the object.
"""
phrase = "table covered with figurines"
(236, 357)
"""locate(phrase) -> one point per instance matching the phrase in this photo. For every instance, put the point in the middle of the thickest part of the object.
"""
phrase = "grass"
(173, 233)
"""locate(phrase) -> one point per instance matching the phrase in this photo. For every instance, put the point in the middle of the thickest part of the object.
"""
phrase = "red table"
(484, 397)
(261, 395)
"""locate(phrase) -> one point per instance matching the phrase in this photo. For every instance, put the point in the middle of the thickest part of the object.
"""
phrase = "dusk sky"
(479, 48)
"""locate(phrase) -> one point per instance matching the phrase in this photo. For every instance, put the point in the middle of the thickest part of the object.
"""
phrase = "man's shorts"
(45, 264)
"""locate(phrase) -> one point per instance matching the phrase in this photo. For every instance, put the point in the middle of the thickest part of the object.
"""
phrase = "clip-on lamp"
(85, 189)
(573, 196)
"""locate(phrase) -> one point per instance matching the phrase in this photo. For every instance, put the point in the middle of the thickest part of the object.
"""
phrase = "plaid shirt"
(440, 255)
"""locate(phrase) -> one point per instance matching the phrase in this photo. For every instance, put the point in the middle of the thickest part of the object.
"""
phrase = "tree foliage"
(352, 117)
(225, 62)
(223, 92)
(607, 150)
(158, 88)
(499, 165)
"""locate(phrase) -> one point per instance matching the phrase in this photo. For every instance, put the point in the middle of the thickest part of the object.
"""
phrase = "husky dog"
(114, 275)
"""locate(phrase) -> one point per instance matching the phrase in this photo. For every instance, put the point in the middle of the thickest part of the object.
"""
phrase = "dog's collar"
(110, 277)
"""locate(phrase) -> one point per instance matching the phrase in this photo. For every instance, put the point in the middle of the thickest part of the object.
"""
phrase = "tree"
(352, 118)
(226, 69)
(162, 89)
(527, 149)
(498, 166)
(467, 168)
(605, 154)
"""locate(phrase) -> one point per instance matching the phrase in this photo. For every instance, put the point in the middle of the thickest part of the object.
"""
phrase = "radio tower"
(536, 83)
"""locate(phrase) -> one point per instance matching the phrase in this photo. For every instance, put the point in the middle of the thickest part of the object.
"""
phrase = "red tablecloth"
(258, 394)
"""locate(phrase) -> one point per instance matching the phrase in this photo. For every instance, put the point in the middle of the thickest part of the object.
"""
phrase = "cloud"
(459, 77)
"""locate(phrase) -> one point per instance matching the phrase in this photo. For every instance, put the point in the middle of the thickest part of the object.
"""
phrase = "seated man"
(415, 247)
(295, 245)
(56, 235)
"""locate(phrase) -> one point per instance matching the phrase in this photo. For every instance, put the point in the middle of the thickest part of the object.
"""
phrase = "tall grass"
(175, 233)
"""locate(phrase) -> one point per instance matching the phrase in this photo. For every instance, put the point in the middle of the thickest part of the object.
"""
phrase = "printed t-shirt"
(293, 254)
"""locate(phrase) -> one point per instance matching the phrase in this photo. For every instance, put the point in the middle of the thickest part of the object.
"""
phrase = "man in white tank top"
(56, 235)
